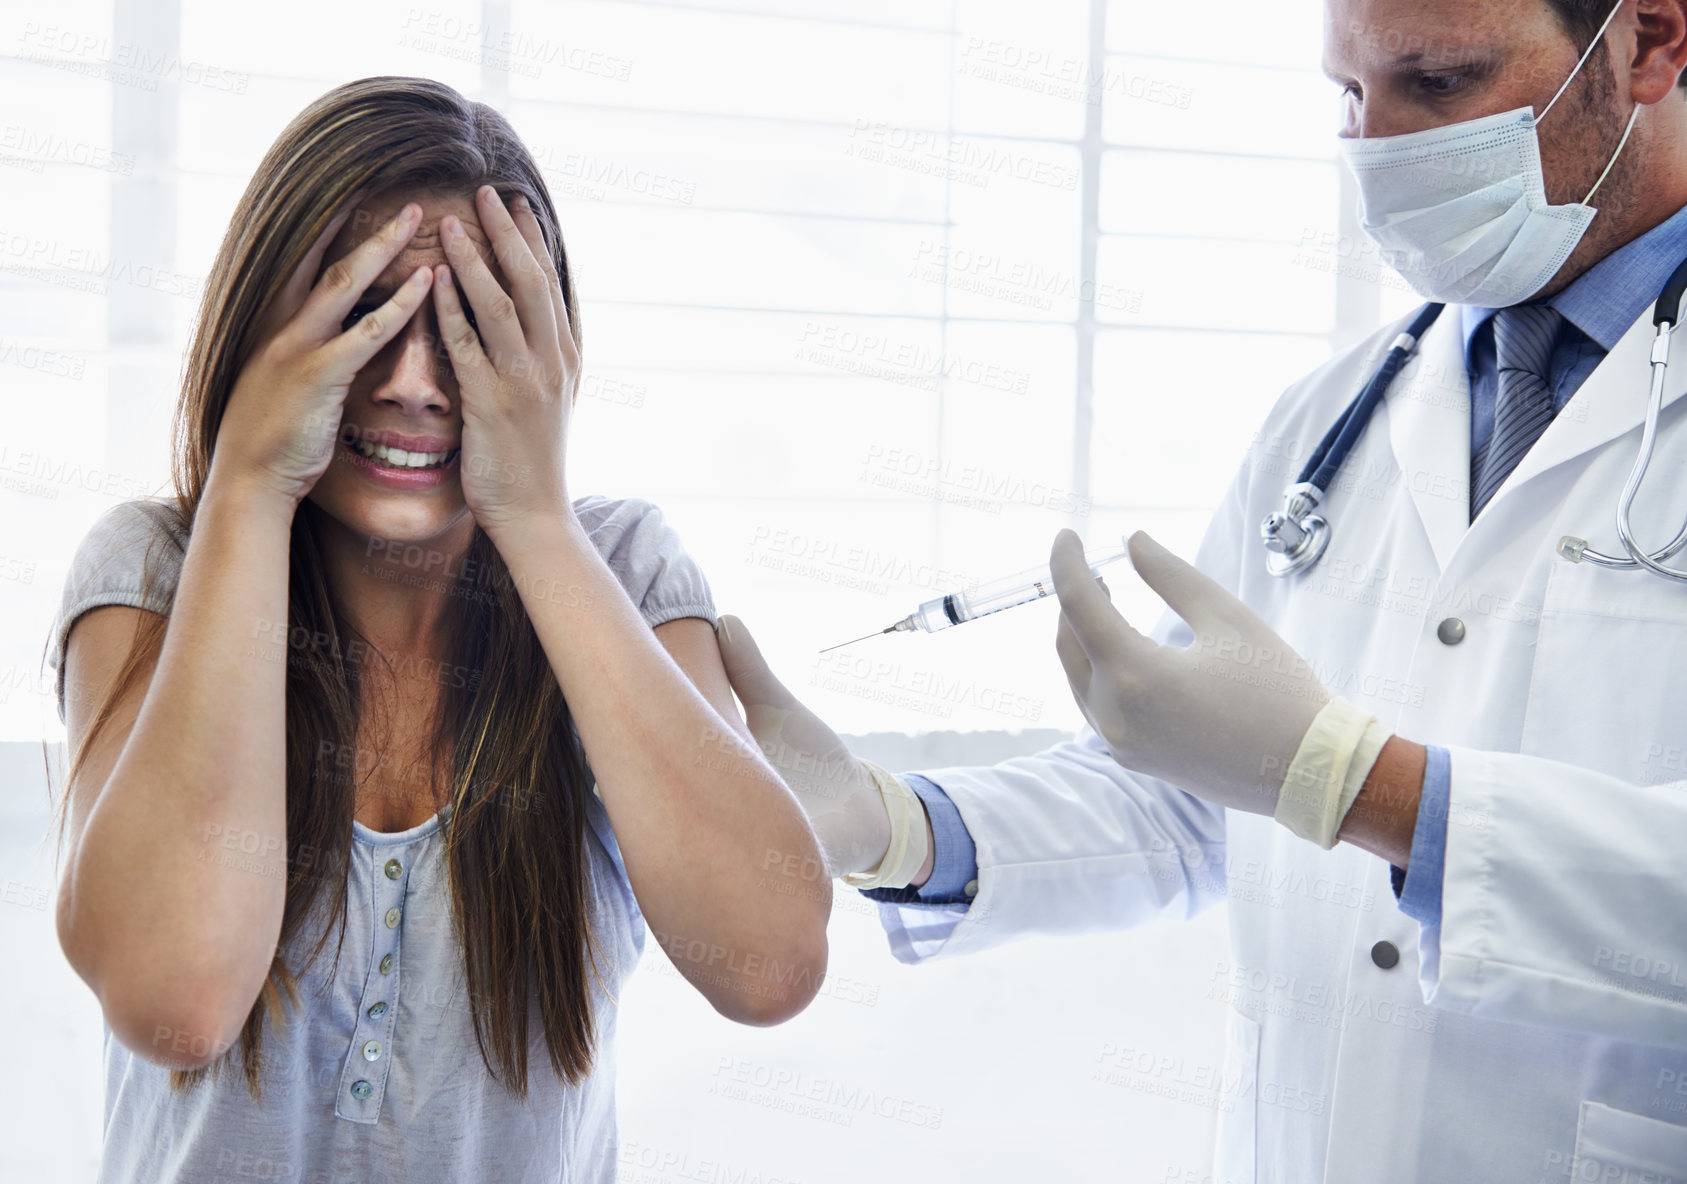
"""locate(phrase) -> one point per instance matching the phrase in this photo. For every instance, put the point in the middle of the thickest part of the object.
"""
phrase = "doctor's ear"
(1660, 52)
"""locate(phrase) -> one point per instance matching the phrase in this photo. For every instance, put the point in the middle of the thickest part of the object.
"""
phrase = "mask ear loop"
(1596, 39)
(1609, 165)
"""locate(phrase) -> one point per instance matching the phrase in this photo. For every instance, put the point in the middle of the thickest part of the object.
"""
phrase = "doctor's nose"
(1376, 118)
(419, 369)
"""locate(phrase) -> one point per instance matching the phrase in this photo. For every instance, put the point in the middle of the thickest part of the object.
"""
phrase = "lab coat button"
(1450, 631)
(971, 888)
(1386, 955)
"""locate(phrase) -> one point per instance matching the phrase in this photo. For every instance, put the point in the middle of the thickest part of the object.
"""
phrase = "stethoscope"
(1296, 536)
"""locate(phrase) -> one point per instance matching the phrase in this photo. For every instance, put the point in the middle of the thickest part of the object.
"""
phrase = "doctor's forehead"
(1435, 34)
(425, 246)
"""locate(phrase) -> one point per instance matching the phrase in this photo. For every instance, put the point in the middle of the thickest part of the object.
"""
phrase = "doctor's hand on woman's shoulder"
(871, 826)
(282, 420)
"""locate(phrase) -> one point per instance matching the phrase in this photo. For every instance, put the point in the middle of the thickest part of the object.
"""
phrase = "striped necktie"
(1523, 339)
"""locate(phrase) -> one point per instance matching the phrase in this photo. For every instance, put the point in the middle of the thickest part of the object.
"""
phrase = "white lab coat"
(1541, 1032)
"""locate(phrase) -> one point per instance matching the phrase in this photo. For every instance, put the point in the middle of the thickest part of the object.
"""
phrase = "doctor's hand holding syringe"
(1236, 719)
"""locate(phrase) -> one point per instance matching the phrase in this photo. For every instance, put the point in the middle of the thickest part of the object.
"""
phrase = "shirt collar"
(1604, 301)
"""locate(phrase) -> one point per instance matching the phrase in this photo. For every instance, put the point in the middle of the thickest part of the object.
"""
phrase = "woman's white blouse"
(377, 1077)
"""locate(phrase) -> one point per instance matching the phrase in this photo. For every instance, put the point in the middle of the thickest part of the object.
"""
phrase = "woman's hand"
(517, 373)
(283, 417)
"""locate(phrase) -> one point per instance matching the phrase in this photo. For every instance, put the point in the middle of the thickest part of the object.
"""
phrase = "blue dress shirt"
(1598, 308)
(954, 861)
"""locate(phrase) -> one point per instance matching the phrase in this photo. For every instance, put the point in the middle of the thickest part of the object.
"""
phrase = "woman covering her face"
(385, 745)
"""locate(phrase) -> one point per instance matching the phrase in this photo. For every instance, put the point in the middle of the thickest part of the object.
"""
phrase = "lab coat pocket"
(1620, 1146)
(1608, 680)
(1233, 1155)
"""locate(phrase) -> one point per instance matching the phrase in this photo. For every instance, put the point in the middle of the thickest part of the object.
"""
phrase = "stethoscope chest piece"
(1295, 537)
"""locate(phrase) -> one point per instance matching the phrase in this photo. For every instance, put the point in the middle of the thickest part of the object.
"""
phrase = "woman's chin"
(388, 513)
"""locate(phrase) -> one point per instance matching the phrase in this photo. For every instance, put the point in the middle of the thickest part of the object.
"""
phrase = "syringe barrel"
(995, 595)
(935, 614)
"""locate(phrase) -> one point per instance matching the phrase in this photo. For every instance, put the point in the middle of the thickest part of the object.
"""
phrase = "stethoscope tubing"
(1326, 460)
(1332, 451)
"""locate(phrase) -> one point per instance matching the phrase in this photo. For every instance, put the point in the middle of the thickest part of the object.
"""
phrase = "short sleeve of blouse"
(108, 568)
(640, 547)
(645, 554)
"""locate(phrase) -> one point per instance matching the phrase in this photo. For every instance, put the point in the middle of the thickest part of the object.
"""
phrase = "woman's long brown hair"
(516, 834)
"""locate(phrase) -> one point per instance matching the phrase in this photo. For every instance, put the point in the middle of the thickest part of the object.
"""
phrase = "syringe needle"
(841, 644)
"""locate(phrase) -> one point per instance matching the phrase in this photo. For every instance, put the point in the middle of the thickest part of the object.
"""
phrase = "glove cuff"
(908, 846)
(1330, 767)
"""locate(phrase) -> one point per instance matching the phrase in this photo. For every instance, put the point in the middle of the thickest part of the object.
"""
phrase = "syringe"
(957, 608)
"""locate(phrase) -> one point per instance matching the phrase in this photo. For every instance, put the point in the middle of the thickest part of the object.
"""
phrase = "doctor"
(1442, 716)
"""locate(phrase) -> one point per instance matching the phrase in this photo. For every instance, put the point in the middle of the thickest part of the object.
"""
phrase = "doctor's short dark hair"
(1581, 20)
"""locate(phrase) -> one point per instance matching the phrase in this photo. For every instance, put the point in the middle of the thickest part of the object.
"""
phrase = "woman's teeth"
(398, 458)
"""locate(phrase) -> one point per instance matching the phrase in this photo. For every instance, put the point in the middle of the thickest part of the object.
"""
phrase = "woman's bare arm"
(720, 855)
(170, 899)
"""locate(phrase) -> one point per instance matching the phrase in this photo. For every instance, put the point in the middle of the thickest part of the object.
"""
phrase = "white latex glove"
(1222, 719)
(846, 805)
